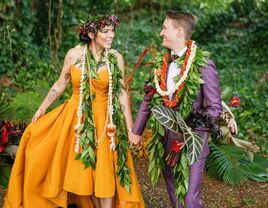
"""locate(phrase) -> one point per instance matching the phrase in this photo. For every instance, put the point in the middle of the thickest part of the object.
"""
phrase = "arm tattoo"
(123, 108)
(53, 94)
(67, 77)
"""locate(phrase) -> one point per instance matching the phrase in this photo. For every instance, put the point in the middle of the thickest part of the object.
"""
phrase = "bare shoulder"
(73, 54)
(74, 51)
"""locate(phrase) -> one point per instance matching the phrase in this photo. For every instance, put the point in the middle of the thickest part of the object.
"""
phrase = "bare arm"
(59, 86)
(123, 97)
(125, 105)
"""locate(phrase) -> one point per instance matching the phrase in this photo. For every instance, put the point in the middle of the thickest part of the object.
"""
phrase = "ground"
(215, 194)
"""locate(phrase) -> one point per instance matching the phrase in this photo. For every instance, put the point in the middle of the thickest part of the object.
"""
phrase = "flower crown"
(94, 22)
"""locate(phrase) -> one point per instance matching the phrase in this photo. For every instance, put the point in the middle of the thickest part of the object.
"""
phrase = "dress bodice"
(99, 86)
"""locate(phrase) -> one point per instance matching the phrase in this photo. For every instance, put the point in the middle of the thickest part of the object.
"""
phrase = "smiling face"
(104, 37)
(170, 34)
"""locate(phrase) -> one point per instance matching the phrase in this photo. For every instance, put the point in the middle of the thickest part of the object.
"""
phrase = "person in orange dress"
(79, 152)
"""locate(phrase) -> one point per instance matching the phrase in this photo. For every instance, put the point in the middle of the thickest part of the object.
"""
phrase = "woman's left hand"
(134, 139)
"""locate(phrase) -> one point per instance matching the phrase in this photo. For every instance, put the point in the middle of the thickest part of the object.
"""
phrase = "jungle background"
(36, 35)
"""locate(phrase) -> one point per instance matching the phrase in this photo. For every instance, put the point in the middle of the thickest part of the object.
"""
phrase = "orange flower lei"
(163, 77)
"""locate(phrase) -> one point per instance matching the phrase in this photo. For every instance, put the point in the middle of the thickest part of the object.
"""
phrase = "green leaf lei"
(156, 151)
(122, 147)
(181, 176)
(155, 148)
(86, 129)
(87, 142)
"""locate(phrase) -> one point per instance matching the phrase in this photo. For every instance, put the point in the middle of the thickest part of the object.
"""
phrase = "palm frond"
(228, 163)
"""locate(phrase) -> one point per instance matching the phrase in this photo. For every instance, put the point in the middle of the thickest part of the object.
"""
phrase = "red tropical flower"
(177, 146)
(235, 101)
(172, 157)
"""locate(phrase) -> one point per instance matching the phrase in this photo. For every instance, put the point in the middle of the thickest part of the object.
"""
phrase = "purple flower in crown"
(114, 20)
(113, 17)
(92, 27)
(95, 22)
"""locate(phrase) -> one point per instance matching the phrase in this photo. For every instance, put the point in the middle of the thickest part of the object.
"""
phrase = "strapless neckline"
(77, 68)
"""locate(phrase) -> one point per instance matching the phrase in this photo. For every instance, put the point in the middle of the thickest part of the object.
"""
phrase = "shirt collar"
(181, 52)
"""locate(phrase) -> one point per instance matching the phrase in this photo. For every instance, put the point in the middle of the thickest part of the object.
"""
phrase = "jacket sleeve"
(143, 116)
(211, 91)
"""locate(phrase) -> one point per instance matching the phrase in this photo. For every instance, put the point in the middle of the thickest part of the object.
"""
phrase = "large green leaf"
(173, 121)
(261, 161)
(259, 169)
(166, 117)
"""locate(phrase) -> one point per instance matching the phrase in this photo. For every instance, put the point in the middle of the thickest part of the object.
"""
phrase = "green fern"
(228, 163)
(4, 109)
(24, 106)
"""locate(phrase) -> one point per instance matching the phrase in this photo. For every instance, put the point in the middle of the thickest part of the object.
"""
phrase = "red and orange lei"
(163, 77)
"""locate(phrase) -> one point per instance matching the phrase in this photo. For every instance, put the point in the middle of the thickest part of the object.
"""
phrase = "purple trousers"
(192, 198)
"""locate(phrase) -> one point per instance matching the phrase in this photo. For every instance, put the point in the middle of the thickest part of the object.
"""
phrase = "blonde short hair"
(185, 20)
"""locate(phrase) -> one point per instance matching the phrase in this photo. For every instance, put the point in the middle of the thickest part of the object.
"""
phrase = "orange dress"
(45, 173)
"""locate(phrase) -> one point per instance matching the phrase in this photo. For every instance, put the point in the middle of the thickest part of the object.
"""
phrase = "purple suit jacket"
(208, 101)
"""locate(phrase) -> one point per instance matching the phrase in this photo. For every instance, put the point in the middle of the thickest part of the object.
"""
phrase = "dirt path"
(214, 194)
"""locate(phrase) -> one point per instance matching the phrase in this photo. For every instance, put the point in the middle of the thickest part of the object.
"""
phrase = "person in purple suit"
(176, 33)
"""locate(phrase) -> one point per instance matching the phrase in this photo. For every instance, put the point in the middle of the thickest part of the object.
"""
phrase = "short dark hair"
(185, 20)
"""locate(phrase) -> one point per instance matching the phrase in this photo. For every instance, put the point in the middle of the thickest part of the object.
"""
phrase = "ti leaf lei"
(188, 94)
(86, 129)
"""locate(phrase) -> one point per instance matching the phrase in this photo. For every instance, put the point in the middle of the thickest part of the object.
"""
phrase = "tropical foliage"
(36, 35)
(228, 163)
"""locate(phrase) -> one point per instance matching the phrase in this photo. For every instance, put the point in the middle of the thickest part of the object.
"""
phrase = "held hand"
(232, 126)
(38, 114)
(135, 139)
